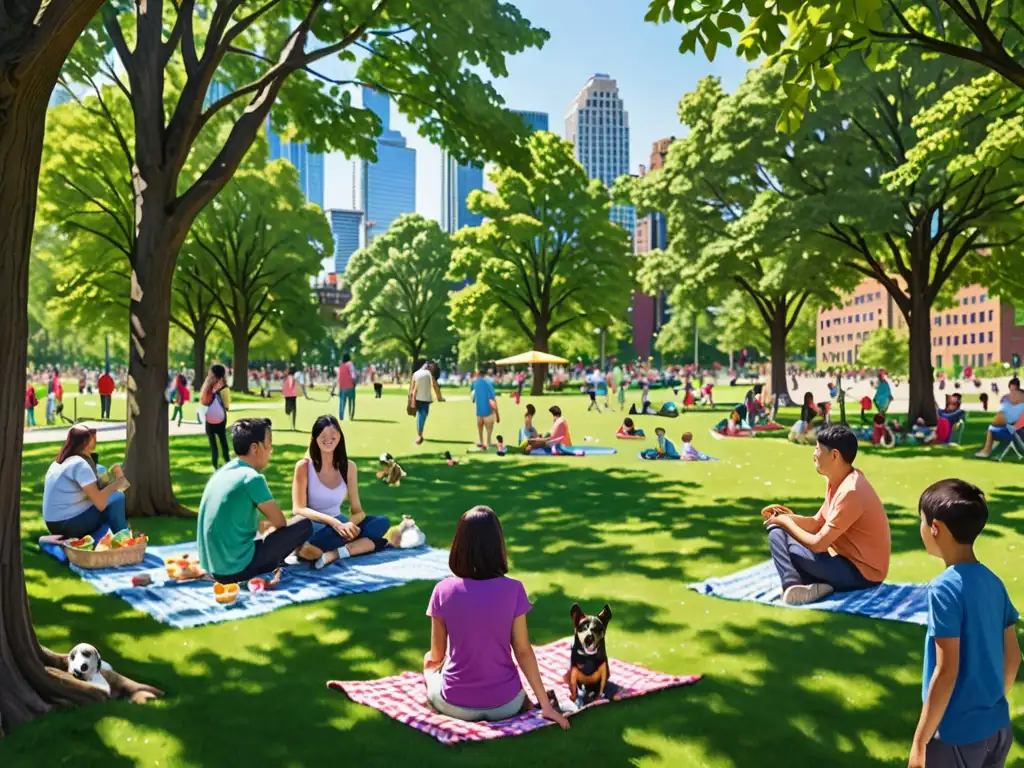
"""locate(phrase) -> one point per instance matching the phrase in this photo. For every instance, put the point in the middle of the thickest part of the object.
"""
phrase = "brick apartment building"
(978, 330)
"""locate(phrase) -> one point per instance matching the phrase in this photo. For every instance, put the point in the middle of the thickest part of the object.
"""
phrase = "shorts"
(289, 405)
(593, 396)
(487, 420)
(987, 753)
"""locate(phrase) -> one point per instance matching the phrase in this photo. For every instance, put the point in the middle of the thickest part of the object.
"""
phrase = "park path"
(106, 432)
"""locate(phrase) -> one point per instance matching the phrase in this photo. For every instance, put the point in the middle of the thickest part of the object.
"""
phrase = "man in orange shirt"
(845, 546)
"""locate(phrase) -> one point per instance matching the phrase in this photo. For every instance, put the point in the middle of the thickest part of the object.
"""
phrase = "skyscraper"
(598, 125)
(650, 313)
(346, 227)
(538, 121)
(389, 185)
(457, 181)
(310, 165)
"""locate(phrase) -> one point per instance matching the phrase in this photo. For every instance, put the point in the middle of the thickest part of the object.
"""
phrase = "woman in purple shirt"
(478, 620)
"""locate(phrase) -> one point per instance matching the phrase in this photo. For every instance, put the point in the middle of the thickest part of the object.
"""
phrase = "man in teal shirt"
(228, 547)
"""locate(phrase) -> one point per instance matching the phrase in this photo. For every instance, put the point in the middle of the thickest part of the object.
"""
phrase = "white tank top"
(319, 497)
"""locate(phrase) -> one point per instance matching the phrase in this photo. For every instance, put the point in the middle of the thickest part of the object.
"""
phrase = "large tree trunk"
(922, 392)
(147, 455)
(540, 370)
(240, 358)
(779, 384)
(199, 358)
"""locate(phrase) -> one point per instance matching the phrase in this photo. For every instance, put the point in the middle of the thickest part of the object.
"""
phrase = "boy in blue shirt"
(971, 653)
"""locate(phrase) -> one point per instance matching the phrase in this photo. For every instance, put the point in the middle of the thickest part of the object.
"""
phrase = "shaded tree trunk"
(922, 392)
(779, 332)
(147, 460)
(240, 357)
(540, 370)
(199, 358)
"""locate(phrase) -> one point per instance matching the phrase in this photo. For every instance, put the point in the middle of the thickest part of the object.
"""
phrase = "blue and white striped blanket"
(760, 584)
(191, 604)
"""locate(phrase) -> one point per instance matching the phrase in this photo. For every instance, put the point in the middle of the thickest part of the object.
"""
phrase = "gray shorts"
(987, 753)
(504, 712)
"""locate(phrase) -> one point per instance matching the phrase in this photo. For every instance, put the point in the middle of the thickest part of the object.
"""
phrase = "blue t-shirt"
(483, 393)
(970, 602)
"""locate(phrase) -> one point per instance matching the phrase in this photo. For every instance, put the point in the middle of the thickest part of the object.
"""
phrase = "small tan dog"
(390, 473)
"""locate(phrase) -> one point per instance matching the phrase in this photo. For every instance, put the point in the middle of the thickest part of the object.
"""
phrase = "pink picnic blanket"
(404, 698)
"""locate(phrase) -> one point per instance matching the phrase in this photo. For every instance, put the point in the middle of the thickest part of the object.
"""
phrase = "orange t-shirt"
(855, 513)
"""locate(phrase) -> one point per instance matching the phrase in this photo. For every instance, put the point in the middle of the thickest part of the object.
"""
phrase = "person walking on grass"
(346, 388)
(971, 651)
(591, 382)
(485, 399)
(181, 396)
(216, 398)
(31, 401)
(290, 396)
(105, 386)
(51, 395)
(423, 388)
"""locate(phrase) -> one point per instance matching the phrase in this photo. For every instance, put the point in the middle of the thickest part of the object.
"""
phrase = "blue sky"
(587, 36)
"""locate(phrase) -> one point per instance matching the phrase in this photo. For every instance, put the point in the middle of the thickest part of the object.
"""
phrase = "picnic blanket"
(191, 604)
(760, 584)
(404, 697)
(573, 450)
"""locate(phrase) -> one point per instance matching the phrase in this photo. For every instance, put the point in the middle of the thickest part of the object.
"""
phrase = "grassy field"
(782, 688)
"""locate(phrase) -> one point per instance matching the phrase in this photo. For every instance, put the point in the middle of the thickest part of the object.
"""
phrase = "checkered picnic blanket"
(404, 698)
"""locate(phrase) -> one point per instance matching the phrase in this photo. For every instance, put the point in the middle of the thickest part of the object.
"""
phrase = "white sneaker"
(801, 594)
(292, 559)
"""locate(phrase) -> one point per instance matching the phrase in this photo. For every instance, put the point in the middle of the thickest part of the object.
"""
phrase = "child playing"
(527, 432)
(689, 452)
(181, 396)
(707, 395)
(971, 653)
(478, 622)
(628, 429)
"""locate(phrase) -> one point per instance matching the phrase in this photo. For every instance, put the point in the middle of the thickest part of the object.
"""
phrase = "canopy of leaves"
(547, 258)
(400, 290)
(885, 348)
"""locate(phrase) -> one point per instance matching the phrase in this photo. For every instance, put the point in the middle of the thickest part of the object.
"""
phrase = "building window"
(965, 339)
(857, 317)
(981, 300)
(829, 339)
(990, 315)
(972, 339)
(964, 301)
(990, 357)
(974, 317)
(990, 337)
(963, 318)
(974, 299)
(956, 320)
(956, 341)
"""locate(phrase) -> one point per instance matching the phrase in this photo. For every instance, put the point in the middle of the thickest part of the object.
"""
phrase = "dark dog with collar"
(589, 659)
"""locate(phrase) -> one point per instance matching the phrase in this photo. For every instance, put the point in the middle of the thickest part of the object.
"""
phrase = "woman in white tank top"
(321, 483)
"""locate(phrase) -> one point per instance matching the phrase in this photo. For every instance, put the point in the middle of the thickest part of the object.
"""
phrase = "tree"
(546, 259)
(885, 348)
(430, 59)
(729, 225)
(265, 244)
(400, 291)
(192, 308)
(810, 37)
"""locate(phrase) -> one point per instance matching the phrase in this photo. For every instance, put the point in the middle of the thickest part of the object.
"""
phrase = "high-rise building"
(347, 229)
(978, 330)
(388, 185)
(598, 126)
(457, 181)
(537, 121)
(310, 165)
(650, 313)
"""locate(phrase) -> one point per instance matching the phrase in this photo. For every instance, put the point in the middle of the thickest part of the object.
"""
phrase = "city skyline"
(387, 187)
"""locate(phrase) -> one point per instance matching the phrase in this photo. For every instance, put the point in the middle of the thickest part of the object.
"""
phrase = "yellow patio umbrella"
(530, 358)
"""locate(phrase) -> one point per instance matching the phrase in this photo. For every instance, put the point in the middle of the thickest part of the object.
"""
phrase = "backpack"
(216, 413)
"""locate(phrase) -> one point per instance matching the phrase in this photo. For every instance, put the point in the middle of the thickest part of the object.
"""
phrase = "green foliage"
(400, 292)
(547, 261)
(810, 37)
(886, 348)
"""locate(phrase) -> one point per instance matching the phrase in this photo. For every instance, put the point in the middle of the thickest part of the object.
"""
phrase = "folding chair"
(1008, 439)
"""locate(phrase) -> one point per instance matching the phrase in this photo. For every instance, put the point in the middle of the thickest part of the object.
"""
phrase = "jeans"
(272, 550)
(30, 417)
(214, 431)
(373, 528)
(89, 521)
(434, 681)
(104, 406)
(343, 396)
(422, 411)
(796, 564)
(50, 403)
(987, 753)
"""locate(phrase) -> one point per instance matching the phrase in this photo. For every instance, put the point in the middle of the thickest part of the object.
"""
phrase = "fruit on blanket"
(184, 568)
(105, 543)
(86, 542)
(225, 594)
(121, 539)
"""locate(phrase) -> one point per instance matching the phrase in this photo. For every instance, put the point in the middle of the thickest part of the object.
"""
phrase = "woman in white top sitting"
(322, 481)
(74, 505)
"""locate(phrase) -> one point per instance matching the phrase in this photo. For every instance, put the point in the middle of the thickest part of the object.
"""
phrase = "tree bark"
(199, 358)
(922, 375)
(779, 384)
(147, 461)
(240, 357)
(540, 370)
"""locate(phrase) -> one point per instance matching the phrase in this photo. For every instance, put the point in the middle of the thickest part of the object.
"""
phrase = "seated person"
(808, 412)
(477, 624)
(226, 530)
(528, 431)
(74, 504)
(1011, 414)
(628, 429)
(847, 544)
(953, 412)
(689, 452)
(559, 437)
(321, 483)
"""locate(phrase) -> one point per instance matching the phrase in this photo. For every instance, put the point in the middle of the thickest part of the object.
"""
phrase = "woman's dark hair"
(340, 453)
(531, 410)
(74, 445)
(808, 398)
(292, 371)
(346, 358)
(555, 411)
(478, 548)
(218, 371)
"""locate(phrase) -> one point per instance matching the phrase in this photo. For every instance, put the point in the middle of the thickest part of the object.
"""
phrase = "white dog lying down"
(84, 662)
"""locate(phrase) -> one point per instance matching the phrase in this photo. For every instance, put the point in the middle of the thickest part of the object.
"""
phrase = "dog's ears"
(605, 615)
(577, 614)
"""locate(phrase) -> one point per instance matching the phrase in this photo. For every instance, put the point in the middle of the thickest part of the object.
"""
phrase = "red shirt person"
(105, 385)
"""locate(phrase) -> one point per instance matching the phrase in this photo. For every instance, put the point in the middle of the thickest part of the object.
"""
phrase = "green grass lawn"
(782, 688)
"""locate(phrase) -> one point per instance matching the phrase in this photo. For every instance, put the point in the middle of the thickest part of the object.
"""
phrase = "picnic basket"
(111, 558)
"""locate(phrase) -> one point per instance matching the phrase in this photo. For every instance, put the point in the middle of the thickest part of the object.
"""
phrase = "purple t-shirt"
(479, 672)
